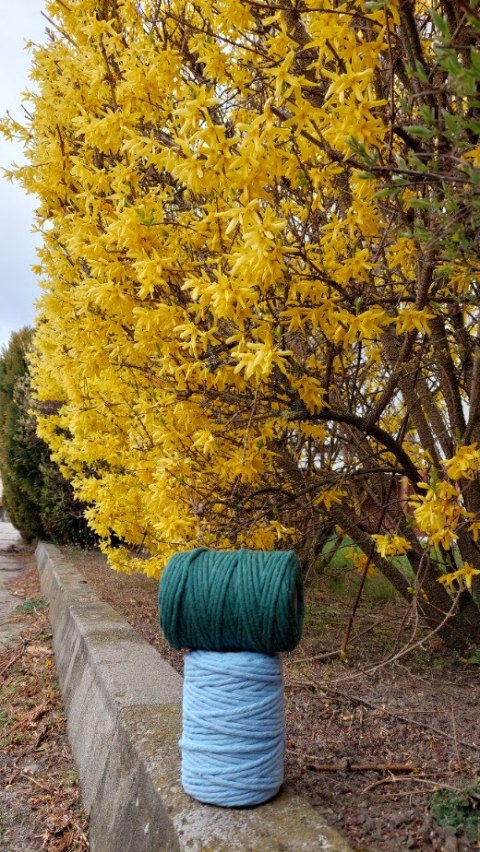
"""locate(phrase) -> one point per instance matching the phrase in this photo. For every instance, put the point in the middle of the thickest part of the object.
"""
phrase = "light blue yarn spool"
(233, 740)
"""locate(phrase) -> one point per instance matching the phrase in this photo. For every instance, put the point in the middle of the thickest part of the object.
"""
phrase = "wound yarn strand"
(232, 600)
(233, 739)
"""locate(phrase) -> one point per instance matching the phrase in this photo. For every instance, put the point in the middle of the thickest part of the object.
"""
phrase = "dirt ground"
(368, 741)
(39, 791)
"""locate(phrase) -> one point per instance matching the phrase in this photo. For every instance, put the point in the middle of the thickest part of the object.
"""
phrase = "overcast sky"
(20, 20)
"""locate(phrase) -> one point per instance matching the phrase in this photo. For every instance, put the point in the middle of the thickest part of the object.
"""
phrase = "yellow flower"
(409, 319)
(466, 574)
(465, 464)
(391, 545)
(359, 562)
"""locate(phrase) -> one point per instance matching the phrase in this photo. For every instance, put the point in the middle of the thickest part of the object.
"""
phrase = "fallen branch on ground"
(13, 659)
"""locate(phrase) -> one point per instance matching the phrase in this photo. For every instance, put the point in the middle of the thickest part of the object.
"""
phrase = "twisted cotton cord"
(233, 738)
(232, 600)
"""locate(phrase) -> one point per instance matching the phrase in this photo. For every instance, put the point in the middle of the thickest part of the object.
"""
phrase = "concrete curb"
(123, 705)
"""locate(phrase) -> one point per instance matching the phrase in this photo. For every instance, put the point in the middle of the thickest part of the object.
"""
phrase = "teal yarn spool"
(233, 739)
(242, 600)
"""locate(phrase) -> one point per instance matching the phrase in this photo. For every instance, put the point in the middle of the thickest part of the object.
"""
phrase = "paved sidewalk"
(12, 565)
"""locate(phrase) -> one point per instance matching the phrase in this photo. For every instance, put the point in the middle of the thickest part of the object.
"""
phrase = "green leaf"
(441, 24)
(451, 64)
(453, 122)
(475, 59)
(384, 193)
(375, 5)
(419, 131)
(474, 125)
(420, 203)
(420, 72)
(427, 114)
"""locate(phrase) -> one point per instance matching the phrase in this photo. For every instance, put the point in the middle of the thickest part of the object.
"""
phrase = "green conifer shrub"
(38, 500)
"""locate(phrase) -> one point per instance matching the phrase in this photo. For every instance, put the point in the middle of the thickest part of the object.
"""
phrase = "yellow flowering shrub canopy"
(239, 320)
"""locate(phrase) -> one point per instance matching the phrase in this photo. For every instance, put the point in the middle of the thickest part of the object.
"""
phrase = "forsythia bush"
(260, 278)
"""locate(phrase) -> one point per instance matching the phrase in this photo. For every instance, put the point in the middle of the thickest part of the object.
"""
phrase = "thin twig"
(402, 793)
(406, 778)
(270, 7)
(326, 656)
(455, 739)
(337, 653)
(34, 781)
(468, 9)
(59, 29)
(407, 649)
(357, 767)
(357, 699)
(346, 638)
(13, 659)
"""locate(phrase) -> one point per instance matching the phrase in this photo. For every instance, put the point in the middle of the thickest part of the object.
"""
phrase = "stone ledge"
(123, 705)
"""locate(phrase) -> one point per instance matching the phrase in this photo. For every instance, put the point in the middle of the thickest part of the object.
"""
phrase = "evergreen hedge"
(38, 500)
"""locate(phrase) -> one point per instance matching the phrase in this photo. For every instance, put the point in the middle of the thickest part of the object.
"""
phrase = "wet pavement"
(13, 563)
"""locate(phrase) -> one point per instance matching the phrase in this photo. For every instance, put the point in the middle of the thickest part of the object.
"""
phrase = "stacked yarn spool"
(235, 611)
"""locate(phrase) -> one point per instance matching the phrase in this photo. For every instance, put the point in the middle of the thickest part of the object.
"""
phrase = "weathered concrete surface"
(123, 707)
(11, 566)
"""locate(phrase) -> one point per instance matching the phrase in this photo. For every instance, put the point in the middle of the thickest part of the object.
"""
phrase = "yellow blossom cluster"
(391, 544)
(465, 464)
(439, 512)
